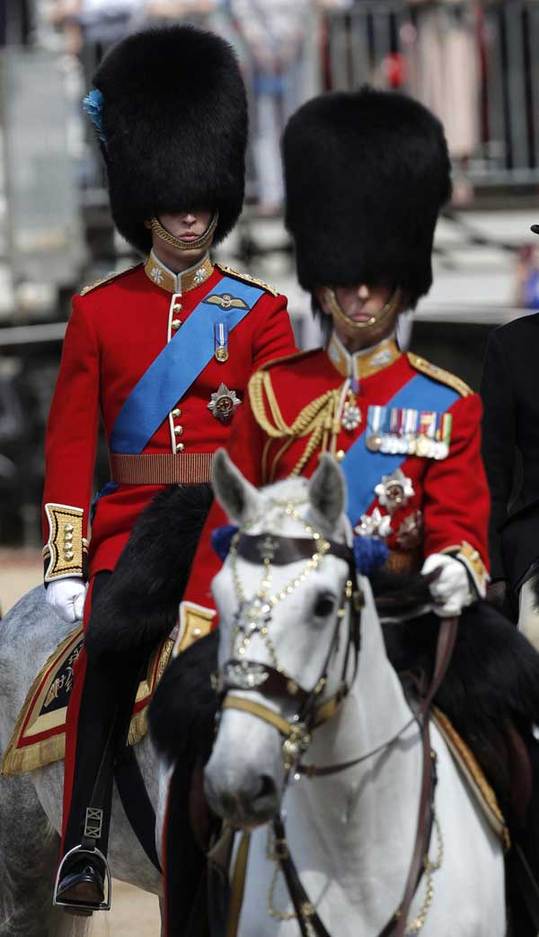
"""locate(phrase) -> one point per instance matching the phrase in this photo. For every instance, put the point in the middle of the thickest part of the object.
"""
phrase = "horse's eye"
(324, 606)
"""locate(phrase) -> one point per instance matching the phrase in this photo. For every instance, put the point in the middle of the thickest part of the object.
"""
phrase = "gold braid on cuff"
(66, 546)
(471, 559)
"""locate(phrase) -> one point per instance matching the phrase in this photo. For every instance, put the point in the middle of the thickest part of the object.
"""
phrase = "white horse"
(31, 804)
(351, 833)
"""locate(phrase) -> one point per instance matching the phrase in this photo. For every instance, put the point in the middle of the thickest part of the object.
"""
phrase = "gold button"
(196, 632)
(176, 324)
(68, 556)
(176, 412)
(67, 536)
(180, 447)
(340, 455)
(69, 527)
(176, 307)
(178, 430)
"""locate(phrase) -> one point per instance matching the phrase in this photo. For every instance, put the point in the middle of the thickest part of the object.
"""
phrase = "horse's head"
(288, 632)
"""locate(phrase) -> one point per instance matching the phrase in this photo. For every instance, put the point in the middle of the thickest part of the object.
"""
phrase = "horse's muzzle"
(245, 801)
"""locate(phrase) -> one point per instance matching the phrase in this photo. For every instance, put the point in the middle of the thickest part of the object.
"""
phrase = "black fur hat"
(366, 174)
(174, 128)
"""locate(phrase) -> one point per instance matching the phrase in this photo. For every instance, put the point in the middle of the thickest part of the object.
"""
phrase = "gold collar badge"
(158, 273)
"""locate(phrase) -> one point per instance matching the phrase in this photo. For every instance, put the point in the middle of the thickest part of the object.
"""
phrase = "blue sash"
(176, 367)
(363, 469)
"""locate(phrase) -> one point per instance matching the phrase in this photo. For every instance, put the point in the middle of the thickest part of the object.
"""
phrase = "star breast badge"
(223, 403)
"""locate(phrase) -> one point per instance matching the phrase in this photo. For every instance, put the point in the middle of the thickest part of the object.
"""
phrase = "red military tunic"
(115, 332)
(298, 408)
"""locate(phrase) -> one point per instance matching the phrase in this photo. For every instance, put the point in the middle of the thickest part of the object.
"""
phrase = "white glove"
(451, 591)
(66, 597)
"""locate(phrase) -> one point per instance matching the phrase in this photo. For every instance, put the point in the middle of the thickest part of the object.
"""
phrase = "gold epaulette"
(105, 279)
(439, 374)
(248, 278)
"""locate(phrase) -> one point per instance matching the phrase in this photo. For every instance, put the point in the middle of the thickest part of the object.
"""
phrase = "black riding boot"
(110, 687)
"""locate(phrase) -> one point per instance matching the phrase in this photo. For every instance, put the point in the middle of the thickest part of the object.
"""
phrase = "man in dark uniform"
(163, 352)
(510, 392)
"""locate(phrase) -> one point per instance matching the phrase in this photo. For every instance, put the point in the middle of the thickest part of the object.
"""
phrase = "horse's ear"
(235, 494)
(327, 490)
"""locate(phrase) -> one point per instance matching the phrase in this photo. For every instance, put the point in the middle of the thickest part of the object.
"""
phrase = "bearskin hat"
(173, 128)
(366, 174)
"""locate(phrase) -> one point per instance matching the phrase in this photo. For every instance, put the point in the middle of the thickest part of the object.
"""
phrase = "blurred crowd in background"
(459, 58)
(473, 63)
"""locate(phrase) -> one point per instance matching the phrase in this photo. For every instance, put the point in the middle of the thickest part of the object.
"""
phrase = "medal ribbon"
(180, 362)
(363, 469)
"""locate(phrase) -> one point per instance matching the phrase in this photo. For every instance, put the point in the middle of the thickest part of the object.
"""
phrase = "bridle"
(253, 617)
(307, 708)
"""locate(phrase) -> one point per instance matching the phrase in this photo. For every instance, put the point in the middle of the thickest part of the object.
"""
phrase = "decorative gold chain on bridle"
(419, 921)
(262, 604)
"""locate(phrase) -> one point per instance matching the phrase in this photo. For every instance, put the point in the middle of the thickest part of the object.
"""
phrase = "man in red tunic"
(163, 353)
(406, 433)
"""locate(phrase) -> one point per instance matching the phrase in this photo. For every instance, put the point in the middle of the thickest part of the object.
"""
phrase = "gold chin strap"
(386, 311)
(201, 243)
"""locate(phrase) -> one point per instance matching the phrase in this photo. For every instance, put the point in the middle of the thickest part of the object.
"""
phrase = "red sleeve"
(70, 445)
(274, 337)
(456, 498)
(245, 449)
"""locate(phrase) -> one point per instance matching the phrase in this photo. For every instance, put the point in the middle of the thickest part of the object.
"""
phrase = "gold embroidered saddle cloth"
(39, 735)
(474, 776)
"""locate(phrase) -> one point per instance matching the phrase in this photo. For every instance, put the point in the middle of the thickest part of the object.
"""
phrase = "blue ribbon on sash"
(176, 367)
(363, 469)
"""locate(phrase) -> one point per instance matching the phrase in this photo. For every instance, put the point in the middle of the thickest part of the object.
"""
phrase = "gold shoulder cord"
(318, 419)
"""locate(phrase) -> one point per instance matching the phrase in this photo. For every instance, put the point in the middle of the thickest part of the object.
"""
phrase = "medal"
(351, 414)
(374, 525)
(376, 417)
(394, 491)
(220, 341)
(223, 403)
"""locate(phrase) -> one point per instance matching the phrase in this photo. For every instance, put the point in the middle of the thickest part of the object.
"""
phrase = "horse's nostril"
(267, 786)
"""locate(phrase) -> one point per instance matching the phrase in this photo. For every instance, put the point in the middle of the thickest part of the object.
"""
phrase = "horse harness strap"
(262, 712)
(238, 885)
(396, 926)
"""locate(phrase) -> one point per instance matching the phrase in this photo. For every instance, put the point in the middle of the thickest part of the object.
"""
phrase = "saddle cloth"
(474, 776)
(38, 738)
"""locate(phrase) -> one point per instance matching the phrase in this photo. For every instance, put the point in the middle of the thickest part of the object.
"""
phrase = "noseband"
(253, 618)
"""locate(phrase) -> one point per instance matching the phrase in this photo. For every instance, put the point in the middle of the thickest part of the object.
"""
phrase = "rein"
(310, 712)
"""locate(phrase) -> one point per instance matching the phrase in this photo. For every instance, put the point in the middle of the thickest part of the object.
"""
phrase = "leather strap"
(396, 926)
(284, 550)
(238, 885)
(136, 803)
(259, 710)
(308, 920)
